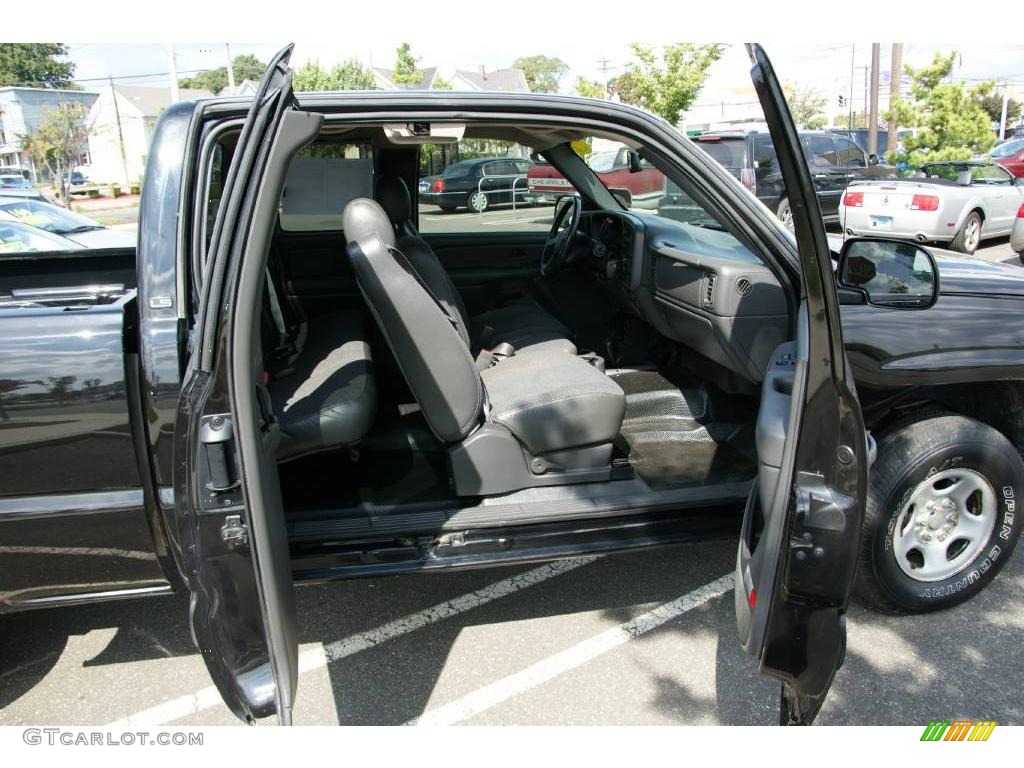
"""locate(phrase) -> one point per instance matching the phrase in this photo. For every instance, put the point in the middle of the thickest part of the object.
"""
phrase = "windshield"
(18, 238)
(1008, 148)
(602, 162)
(48, 217)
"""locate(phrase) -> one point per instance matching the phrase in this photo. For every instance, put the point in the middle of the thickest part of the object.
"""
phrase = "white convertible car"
(960, 203)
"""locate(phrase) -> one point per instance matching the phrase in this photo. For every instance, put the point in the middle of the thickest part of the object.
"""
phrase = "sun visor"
(423, 132)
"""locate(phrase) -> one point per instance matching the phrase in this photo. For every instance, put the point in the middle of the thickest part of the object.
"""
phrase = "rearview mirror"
(889, 273)
(635, 165)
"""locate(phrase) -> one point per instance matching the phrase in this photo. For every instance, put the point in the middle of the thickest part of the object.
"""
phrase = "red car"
(1010, 155)
(644, 185)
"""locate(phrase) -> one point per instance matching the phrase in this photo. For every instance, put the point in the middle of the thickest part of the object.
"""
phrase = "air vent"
(743, 286)
(709, 290)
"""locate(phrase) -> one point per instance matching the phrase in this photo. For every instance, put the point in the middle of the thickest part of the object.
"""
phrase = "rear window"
(728, 152)
(1008, 148)
(322, 180)
(459, 169)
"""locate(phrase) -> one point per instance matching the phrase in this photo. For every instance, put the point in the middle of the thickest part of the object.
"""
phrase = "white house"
(22, 111)
(124, 116)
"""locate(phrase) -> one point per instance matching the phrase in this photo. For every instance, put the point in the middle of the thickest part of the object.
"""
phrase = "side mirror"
(633, 158)
(889, 273)
(874, 159)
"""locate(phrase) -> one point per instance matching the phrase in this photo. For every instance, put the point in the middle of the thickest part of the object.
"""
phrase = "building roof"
(510, 79)
(151, 101)
(424, 84)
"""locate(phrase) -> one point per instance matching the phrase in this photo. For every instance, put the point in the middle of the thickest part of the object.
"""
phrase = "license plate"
(881, 222)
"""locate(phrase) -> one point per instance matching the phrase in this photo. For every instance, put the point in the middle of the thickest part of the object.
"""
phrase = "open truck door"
(227, 493)
(800, 539)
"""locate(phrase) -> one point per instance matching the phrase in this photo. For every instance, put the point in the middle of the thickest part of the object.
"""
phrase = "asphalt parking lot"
(645, 637)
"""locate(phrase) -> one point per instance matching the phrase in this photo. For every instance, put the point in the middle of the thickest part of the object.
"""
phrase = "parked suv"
(834, 162)
(477, 184)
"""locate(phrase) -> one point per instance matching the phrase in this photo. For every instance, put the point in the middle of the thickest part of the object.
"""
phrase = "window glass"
(728, 151)
(989, 175)
(1008, 148)
(322, 179)
(764, 152)
(821, 153)
(849, 154)
(480, 185)
(41, 215)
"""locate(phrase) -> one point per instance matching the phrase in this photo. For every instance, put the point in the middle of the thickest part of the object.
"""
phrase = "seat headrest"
(364, 217)
(394, 197)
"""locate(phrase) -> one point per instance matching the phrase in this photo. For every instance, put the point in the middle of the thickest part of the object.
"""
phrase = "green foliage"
(406, 72)
(440, 84)
(859, 120)
(667, 87)
(592, 89)
(57, 142)
(951, 124)
(34, 65)
(543, 73)
(807, 107)
(245, 67)
(990, 99)
(347, 76)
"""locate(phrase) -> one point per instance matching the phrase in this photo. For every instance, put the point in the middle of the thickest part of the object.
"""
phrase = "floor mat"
(672, 438)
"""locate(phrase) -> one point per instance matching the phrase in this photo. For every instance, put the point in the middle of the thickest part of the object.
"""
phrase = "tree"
(35, 65)
(405, 72)
(667, 88)
(951, 124)
(990, 99)
(592, 89)
(440, 84)
(859, 120)
(245, 67)
(57, 142)
(807, 107)
(543, 73)
(347, 76)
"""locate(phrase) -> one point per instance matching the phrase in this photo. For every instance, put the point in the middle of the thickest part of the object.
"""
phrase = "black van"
(834, 162)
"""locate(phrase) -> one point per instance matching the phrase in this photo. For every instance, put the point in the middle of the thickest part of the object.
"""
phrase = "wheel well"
(979, 211)
(1000, 404)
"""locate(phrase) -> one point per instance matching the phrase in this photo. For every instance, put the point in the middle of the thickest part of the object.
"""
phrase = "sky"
(821, 66)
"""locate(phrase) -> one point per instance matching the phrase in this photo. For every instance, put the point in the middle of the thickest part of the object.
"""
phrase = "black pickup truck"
(289, 382)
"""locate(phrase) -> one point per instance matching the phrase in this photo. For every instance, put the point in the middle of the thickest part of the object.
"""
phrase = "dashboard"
(694, 284)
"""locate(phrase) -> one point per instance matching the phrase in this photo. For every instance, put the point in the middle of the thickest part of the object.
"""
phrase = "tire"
(914, 460)
(785, 214)
(477, 202)
(969, 236)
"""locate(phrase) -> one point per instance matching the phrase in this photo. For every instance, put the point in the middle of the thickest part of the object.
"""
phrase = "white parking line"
(315, 658)
(575, 656)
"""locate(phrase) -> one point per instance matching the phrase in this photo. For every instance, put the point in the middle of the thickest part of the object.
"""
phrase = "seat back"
(393, 196)
(431, 352)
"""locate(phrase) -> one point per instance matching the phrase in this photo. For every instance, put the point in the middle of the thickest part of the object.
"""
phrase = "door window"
(849, 154)
(821, 153)
(322, 180)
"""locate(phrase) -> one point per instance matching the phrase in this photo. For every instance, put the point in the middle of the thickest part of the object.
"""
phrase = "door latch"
(234, 532)
(217, 435)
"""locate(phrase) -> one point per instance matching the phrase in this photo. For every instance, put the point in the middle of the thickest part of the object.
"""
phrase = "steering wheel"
(563, 230)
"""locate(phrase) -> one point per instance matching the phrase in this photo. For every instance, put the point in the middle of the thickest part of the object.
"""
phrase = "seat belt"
(275, 311)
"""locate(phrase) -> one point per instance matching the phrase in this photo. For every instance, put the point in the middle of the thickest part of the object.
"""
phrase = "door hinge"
(234, 532)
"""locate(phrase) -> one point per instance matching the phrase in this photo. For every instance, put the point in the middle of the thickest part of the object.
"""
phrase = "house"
(245, 89)
(22, 111)
(124, 116)
(509, 80)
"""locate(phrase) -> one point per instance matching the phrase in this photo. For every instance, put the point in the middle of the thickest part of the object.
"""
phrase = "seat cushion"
(525, 326)
(327, 397)
(551, 400)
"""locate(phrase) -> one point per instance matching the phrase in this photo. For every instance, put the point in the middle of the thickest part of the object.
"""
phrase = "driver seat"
(523, 325)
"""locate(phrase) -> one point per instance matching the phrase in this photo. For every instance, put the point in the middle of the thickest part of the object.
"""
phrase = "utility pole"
(231, 69)
(849, 102)
(172, 68)
(876, 50)
(895, 81)
(120, 132)
(1006, 105)
(605, 66)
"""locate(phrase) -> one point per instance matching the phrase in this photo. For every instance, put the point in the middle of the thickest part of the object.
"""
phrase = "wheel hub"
(944, 524)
